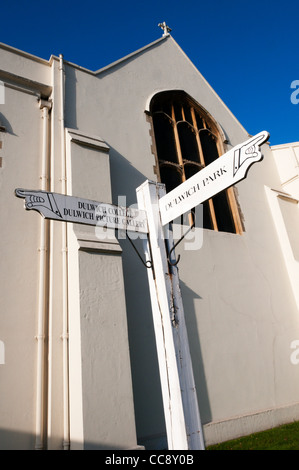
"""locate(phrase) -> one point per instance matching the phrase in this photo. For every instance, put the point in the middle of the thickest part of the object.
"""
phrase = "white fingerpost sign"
(63, 208)
(155, 210)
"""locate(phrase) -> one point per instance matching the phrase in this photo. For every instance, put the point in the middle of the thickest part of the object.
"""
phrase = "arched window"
(186, 140)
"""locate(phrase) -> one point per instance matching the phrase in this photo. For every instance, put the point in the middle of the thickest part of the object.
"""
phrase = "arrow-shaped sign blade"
(64, 208)
(40, 201)
(222, 173)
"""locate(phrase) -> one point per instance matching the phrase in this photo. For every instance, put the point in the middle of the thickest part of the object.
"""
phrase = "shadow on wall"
(71, 97)
(149, 414)
(17, 440)
(5, 125)
(125, 178)
(188, 296)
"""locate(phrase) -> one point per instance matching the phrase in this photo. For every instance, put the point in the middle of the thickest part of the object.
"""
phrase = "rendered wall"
(20, 243)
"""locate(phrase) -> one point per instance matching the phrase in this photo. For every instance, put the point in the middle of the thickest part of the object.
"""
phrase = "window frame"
(214, 129)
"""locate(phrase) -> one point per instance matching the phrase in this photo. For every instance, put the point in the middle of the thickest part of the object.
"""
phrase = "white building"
(78, 361)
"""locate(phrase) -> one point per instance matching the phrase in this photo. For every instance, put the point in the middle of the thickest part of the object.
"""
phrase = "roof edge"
(132, 54)
(284, 145)
(15, 50)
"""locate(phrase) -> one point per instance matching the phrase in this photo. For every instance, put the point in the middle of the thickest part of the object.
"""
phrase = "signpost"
(182, 418)
(155, 210)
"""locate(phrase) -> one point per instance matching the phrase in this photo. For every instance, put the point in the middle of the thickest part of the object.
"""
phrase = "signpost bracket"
(148, 264)
(170, 261)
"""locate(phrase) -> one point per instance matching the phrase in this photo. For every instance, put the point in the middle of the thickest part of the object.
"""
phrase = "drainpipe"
(64, 336)
(45, 106)
(51, 364)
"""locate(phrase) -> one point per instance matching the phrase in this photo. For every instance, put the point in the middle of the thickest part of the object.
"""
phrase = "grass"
(284, 437)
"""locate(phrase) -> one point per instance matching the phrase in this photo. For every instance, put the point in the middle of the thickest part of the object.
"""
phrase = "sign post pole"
(181, 411)
(184, 362)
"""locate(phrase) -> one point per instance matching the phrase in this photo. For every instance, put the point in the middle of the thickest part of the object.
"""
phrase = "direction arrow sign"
(219, 175)
(83, 211)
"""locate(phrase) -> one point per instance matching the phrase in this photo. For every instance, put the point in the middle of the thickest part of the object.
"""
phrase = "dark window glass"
(207, 221)
(224, 218)
(164, 135)
(187, 138)
(190, 170)
(170, 176)
(209, 146)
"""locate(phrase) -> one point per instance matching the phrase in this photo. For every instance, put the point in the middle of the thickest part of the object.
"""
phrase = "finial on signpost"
(166, 29)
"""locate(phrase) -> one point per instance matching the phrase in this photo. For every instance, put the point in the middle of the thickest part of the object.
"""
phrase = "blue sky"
(247, 50)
